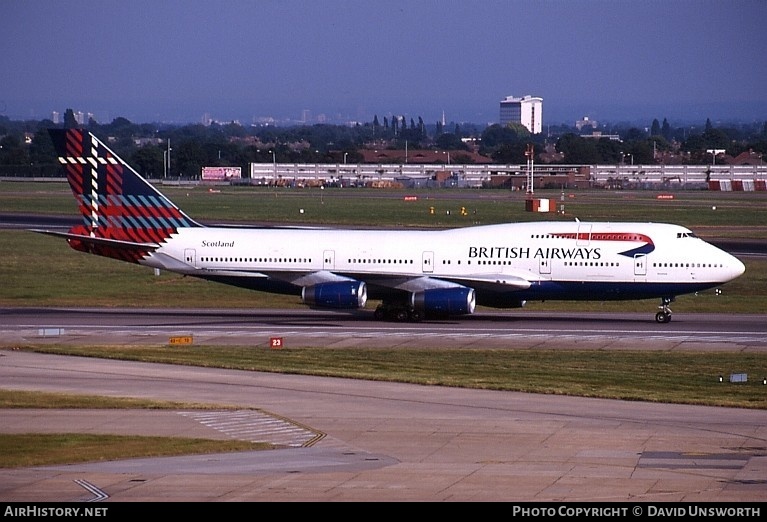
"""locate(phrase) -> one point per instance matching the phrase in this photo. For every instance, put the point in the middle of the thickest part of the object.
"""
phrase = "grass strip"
(657, 376)
(36, 449)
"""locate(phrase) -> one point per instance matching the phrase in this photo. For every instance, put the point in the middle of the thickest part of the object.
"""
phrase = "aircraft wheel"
(662, 317)
(400, 315)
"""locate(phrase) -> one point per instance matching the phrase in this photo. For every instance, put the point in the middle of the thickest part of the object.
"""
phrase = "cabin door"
(544, 266)
(427, 262)
(640, 265)
(190, 257)
(584, 235)
(329, 260)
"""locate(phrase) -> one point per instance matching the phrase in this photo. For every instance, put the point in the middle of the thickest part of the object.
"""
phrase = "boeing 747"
(414, 273)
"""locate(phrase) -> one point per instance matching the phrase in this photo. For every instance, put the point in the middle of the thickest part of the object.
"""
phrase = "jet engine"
(339, 295)
(444, 301)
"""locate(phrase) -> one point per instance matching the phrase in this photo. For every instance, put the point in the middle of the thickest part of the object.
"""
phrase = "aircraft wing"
(497, 282)
(296, 278)
(485, 282)
(480, 282)
(314, 278)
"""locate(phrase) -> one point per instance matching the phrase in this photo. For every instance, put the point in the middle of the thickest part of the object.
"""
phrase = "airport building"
(527, 110)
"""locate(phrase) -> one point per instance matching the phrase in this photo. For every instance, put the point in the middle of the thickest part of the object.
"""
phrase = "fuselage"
(560, 260)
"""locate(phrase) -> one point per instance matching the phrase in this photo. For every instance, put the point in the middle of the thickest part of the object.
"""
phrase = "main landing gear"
(664, 315)
(398, 312)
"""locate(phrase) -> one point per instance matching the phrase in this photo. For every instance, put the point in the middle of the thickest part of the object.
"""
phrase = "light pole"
(530, 155)
(345, 154)
(274, 164)
(167, 171)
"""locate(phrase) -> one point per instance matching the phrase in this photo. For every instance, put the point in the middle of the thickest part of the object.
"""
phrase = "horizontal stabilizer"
(231, 273)
(101, 241)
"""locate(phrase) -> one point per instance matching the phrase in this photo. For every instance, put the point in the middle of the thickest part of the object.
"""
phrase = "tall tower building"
(527, 110)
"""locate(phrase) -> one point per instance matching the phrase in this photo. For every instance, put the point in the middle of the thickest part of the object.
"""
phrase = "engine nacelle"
(445, 301)
(339, 295)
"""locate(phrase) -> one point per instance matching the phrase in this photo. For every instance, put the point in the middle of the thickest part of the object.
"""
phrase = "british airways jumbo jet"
(414, 273)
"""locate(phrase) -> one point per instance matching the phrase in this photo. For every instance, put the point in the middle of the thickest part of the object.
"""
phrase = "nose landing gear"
(664, 315)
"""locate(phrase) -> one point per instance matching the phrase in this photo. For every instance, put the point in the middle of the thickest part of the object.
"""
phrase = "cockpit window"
(685, 234)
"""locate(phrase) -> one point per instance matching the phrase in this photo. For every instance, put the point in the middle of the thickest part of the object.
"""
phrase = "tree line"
(25, 145)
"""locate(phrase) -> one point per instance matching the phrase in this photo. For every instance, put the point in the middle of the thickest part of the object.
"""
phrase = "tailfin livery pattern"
(115, 202)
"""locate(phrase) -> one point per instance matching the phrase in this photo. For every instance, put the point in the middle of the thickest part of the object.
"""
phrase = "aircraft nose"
(735, 266)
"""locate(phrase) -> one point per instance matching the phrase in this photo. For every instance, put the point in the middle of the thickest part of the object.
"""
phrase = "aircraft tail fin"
(115, 202)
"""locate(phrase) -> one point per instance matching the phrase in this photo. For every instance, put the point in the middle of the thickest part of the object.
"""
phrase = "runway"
(353, 440)
(309, 328)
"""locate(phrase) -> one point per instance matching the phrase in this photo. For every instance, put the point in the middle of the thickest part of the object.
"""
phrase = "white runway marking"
(98, 495)
(256, 426)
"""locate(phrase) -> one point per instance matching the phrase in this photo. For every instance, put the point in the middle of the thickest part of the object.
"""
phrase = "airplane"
(414, 273)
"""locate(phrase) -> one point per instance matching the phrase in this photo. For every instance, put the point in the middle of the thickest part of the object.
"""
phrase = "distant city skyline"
(173, 61)
(616, 115)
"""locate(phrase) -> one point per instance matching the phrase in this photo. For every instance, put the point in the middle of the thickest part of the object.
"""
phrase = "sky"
(177, 60)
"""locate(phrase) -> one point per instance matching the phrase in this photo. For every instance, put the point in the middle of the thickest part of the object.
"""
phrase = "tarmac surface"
(315, 328)
(353, 440)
